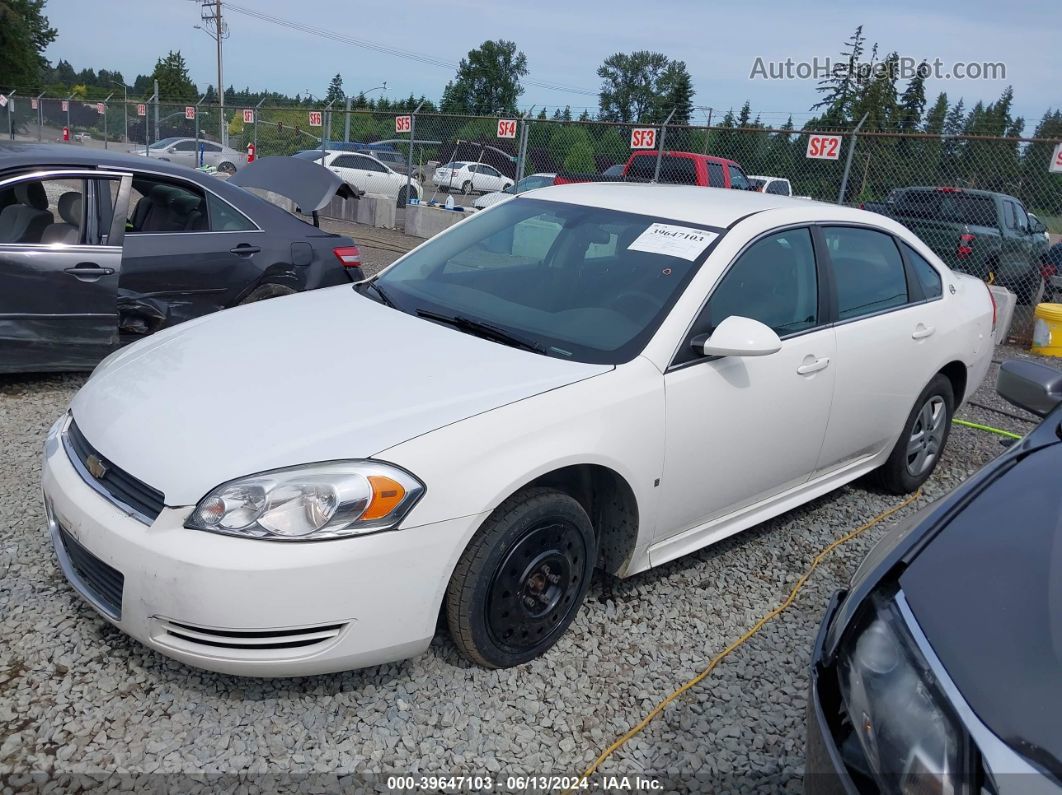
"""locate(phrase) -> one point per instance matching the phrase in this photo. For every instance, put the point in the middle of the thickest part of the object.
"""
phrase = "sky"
(565, 42)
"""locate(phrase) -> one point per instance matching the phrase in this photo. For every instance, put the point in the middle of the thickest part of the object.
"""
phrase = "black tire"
(466, 188)
(522, 578)
(227, 168)
(905, 471)
(402, 197)
(266, 291)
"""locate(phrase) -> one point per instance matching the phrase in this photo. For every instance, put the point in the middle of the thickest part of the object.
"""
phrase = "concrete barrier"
(374, 209)
(423, 220)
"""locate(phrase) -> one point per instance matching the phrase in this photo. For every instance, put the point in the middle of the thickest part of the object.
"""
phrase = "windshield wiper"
(480, 329)
(379, 291)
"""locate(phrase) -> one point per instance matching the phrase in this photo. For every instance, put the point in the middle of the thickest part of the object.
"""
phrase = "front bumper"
(250, 607)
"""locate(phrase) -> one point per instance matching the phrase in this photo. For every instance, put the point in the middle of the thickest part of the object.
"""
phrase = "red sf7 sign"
(403, 124)
(248, 117)
(824, 147)
(643, 138)
(315, 118)
(141, 110)
(506, 128)
(189, 112)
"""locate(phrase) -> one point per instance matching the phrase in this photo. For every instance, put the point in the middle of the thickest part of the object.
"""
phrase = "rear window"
(757, 183)
(675, 170)
(952, 206)
(309, 154)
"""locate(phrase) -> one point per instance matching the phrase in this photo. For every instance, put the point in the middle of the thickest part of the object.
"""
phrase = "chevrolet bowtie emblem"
(95, 466)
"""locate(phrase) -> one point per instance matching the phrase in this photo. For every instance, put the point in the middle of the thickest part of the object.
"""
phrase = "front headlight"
(912, 741)
(312, 502)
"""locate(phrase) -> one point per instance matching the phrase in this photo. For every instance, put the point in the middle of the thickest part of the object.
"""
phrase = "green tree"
(913, 100)
(631, 85)
(172, 74)
(677, 94)
(24, 34)
(487, 81)
(335, 90)
(580, 158)
(839, 88)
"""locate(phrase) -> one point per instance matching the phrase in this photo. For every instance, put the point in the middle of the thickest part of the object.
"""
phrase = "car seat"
(25, 221)
(69, 231)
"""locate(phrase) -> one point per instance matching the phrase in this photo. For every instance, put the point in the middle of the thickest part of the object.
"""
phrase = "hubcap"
(927, 436)
(534, 588)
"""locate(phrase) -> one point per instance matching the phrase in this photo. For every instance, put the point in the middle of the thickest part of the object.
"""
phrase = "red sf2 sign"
(403, 124)
(506, 128)
(824, 147)
(643, 138)
(315, 118)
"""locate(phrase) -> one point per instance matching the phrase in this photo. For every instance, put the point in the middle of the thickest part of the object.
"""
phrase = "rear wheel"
(402, 196)
(522, 579)
(266, 291)
(921, 444)
(227, 168)
(466, 187)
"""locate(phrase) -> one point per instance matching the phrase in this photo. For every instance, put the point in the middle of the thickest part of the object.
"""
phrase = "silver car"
(183, 151)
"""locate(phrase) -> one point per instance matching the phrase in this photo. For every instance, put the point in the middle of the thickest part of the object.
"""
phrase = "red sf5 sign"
(403, 124)
(1056, 161)
(506, 128)
(824, 147)
(643, 138)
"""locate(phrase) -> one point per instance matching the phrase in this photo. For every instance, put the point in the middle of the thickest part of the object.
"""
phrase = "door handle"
(922, 331)
(244, 250)
(88, 271)
(813, 365)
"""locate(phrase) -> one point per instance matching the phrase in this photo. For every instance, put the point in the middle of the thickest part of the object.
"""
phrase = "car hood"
(318, 376)
(987, 593)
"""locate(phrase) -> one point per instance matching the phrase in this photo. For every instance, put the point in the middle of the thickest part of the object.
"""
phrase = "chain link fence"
(987, 205)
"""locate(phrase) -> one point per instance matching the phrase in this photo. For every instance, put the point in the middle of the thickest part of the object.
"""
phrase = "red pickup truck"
(683, 168)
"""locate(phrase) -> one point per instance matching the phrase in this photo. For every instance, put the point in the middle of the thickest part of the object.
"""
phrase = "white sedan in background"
(530, 182)
(588, 376)
(470, 178)
(364, 172)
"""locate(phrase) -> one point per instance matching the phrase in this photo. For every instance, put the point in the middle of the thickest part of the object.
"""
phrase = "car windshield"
(308, 154)
(162, 143)
(455, 165)
(576, 282)
(530, 183)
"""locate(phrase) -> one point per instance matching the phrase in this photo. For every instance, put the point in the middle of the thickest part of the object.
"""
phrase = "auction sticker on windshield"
(685, 242)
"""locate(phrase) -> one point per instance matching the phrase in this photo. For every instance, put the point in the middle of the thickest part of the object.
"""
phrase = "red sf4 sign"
(403, 124)
(506, 128)
(824, 147)
(643, 138)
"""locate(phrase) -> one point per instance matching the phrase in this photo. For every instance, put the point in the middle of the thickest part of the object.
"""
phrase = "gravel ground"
(78, 697)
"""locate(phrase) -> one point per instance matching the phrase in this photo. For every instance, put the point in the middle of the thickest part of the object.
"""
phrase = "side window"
(715, 175)
(1021, 218)
(489, 171)
(158, 207)
(185, 146)
(226, 218)
(867, 269)
(43, 211)
(345, 161)
(641, 167)
(927, 275)
(678, 170)
(209, 147)
(106, 201)
(773, 282)
(778, 187)
(369, 164)
(738, 179)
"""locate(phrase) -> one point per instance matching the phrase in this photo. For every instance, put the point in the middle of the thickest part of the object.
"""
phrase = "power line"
(397, 52)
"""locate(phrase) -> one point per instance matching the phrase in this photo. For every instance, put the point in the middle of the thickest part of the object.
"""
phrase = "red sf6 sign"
(506, 128)
(315, 118)
(403, 124)
(824, 147)
(643, 138)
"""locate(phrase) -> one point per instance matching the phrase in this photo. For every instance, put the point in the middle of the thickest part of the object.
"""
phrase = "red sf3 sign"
(643, 138)
(506, 128)
(315, 118)
(403, 124)
(824, 147)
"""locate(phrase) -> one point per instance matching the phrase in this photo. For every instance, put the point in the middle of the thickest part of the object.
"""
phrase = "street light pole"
(106, 136)
(412, 138)
(40, 116)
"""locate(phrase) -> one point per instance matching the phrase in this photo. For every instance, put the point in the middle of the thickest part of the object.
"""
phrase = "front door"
(60, 258)
(741, 429)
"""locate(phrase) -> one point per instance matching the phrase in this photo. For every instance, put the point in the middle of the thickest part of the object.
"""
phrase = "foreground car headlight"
(910, 737)
(312, 502)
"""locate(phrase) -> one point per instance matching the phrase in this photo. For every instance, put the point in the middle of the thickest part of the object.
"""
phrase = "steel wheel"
(927, 436)
(536, 586)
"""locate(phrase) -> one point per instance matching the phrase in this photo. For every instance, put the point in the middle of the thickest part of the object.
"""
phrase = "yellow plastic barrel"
(1047, 330)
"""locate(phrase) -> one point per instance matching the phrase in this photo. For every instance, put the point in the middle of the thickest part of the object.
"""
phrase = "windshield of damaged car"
(582, 283)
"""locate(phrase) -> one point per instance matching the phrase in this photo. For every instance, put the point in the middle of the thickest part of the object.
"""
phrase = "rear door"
(60, 258)
(187, 252)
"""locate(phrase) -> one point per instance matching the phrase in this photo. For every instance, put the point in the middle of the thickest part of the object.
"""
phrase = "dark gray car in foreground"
(98, 248)
(939, 670)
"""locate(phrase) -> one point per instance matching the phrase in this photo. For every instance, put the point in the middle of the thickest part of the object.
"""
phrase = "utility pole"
(211, 14)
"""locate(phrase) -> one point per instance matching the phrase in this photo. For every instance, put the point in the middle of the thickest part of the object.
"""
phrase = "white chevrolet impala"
(586, 376)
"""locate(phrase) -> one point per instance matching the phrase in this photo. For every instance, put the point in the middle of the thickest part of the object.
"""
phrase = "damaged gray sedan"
(97, 249)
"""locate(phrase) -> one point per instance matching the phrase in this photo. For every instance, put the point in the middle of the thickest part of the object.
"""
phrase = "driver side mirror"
(738, 336)
(1031, 386)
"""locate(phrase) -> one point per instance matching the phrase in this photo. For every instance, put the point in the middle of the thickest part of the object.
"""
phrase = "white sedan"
(365, 173)
(587, 376)
(470, 178)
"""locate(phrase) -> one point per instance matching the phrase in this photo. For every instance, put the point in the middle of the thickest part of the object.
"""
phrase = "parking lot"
(79, 697)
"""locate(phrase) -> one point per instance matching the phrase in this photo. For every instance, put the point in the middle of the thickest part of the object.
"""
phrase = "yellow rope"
(637, 728)
(988, 428)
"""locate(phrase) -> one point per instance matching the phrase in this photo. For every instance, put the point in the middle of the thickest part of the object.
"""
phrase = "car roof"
(19, 155)
(692, 203)
(764, 176)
